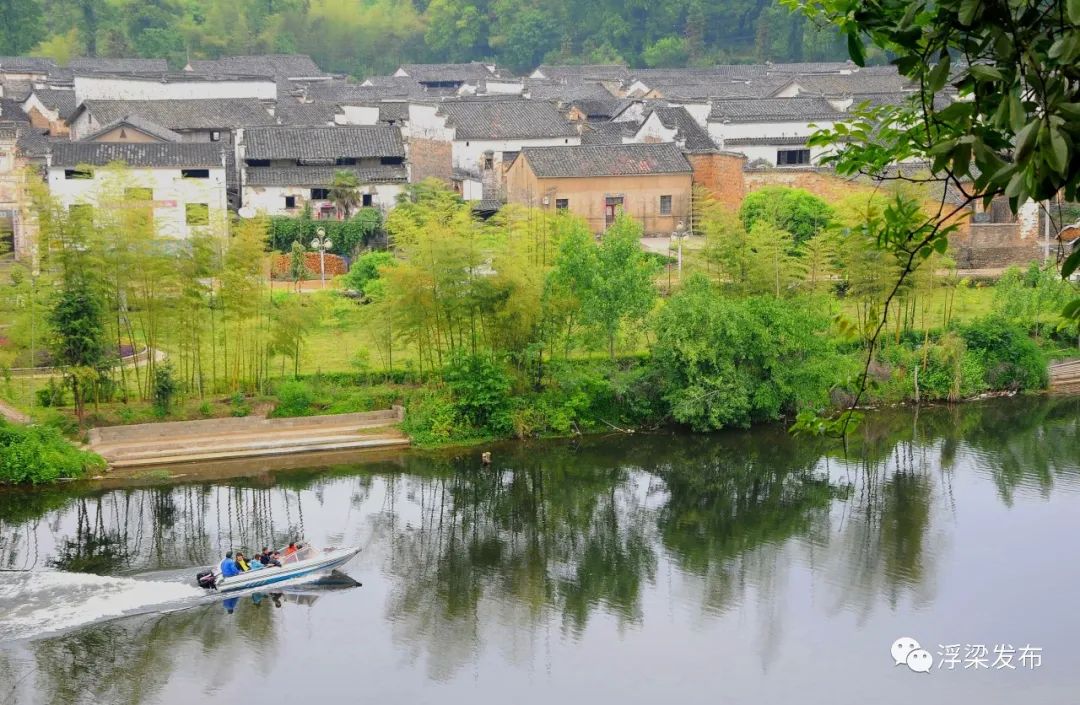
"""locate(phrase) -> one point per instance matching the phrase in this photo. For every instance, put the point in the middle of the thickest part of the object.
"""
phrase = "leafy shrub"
(52, 395)
(294, 398)
(165, 389)
(1010, 358)
(366, 269)
(480, 389)
(346, 235)
(431, 418)
(37, 454)
(796, 211)
(240, 406)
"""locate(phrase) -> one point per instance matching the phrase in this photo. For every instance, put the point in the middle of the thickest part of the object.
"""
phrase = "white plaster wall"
(472, 190)
(32, 103)
(721, 130)
(633, 113)
(469, 154)
(425, 123)
(505, 87)
(172, 193)
(360, 114)
(652, 130)
(698, 111)
(271, 199)
(119, 88)
(1028, 219)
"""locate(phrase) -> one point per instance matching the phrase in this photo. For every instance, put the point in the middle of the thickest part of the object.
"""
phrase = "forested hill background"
(364, 37)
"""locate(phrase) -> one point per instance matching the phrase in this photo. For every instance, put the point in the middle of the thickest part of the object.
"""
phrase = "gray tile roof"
(810, 67)
(607, 132)
(322, 176)
(772, 141)
(601, 108)
(138, 154)
(595, 71)
(699, 89)
(851, 84)
(283, 65)
(506, 119)
(103, 65)
(17, 90)
(26, 64)
(184, 114)
(606, 160)
(11, 110)
(773, 110)
(473, 71)
(9, 130)
(290, 112)
(58, 99)
(357, 141)
(32, 142)
(395, 110)
(694, 137)
(139, 123)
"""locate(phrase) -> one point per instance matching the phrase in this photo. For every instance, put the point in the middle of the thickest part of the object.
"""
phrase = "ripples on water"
(634, 569)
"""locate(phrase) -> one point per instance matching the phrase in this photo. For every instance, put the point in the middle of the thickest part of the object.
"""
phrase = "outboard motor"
(206, 579)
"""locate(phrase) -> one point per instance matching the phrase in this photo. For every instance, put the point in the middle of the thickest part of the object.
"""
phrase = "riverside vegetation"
(523, 325)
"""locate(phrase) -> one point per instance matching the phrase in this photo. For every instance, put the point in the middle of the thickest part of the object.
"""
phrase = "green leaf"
(962, 160)
(968, 10)
(941, 245)
(1017, 114)
(1025, 139)
(856, 49)
(1070, 264)
(983, 72)
(1058, 152)
(1071, 110)
(938, 75)
(1072, 309)
(1073, 9)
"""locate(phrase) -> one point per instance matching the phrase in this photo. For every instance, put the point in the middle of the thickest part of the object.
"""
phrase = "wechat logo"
(907, 652)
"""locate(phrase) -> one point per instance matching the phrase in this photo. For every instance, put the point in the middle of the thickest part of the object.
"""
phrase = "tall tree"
(22, 26)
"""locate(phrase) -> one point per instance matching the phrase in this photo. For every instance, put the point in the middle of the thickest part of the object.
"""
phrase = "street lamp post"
(322, 244)
(677, 236)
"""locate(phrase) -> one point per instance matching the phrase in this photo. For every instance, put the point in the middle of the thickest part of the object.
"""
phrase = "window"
(290, 201)
(792, 157)
(78, 174)
(139, 194)
(665, 205)
(391, 160)
(215, 136)
(258, 162)
(366, 200)
(83, 212)
(197, 214)
(489, 161)
(195, 173)
(562, 204)
(345, 161)
(320, 194)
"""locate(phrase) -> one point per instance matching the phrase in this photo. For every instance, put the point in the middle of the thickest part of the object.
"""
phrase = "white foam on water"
(46, 601)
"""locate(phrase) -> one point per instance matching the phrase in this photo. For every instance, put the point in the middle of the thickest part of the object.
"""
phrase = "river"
(738, 567)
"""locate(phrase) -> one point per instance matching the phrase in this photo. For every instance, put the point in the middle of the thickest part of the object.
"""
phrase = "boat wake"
(42, 602)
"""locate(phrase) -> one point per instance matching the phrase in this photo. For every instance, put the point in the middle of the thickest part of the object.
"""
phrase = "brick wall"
(430, 159)
(824, 184)
(722, 175)
(994, 246)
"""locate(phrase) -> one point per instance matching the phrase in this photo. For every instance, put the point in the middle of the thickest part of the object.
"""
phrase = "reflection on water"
(556, 549)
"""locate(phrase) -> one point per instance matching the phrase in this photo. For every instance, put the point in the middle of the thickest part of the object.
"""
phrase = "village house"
(649, 182)
(50, 108)
(286, 168)
(468, 141)
(773, 131)
(172, 86)
(183, 182)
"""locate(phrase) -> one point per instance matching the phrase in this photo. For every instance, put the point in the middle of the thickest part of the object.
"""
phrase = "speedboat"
(307, 563)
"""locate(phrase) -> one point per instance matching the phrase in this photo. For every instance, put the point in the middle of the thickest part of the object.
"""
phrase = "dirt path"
(13, 415)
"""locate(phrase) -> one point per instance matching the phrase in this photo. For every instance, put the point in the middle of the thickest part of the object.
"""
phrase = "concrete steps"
(1065, 377)
(249, 437)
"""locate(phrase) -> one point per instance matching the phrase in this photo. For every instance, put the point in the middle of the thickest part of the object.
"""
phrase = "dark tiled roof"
(807, 68)
(284, 65)
(724, 88)
(606, 160)
(185, 114)
(694, 137)
(595, 71)
(322, 176)
(473, 71)
(357, 141)
(773, 110)
(607, 132)
(58, 99)
(851, 84)
(17, 90)
(506, 119)
(290, 112)
(26, 64)
(772, 141)
(393, 110)
(11, 110)
(604, 108)
(101, 65)
(32, 142)
(139, 123)
(566, 90)
(141, 154)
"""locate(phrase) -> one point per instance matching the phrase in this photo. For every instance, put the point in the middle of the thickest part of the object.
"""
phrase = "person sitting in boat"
(304, 551)
(242, 563)
(290, 553)
(255, 564)
(269, 558)
(228, 566)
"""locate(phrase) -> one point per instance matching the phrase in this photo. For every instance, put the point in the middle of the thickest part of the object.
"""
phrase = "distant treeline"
(364, 37)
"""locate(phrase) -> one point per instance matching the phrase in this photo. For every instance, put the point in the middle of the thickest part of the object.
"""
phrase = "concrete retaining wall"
(247, 424)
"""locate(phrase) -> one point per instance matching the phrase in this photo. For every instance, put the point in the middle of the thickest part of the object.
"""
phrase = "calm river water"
(744, 567)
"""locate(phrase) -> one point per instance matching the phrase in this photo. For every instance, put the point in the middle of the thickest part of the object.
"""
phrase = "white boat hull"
(324, 562)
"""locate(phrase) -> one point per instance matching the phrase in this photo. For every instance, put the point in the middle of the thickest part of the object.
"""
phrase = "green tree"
(799, 212)
(21, 26)
(79, 339)
(344, 192)
(666, 52)
(297, 264)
